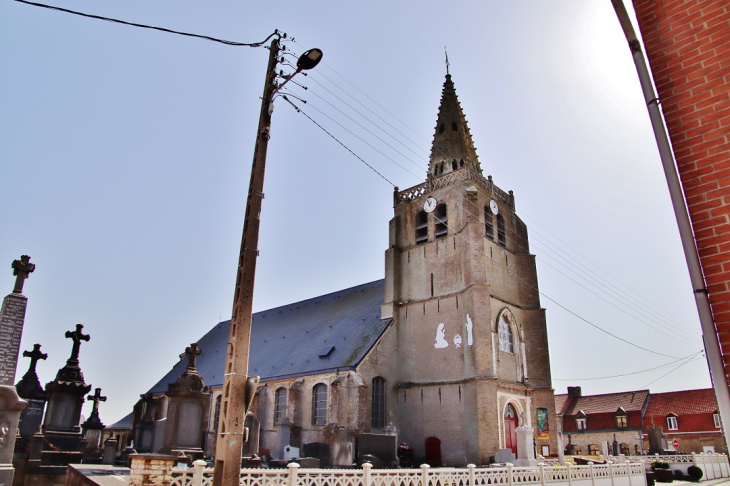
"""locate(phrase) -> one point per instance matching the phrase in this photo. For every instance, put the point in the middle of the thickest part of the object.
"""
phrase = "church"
(449, 351)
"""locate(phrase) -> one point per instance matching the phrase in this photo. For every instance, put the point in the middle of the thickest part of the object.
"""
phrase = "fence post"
(293, 471)
(570, 473)
(424, 474)
(610, 471)
(198, 467)
(541, 466)
(593, 476)
(367, 469)
(472, 476)
(510, 478)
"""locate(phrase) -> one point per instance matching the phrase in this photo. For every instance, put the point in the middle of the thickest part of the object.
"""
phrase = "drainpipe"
(709, 333)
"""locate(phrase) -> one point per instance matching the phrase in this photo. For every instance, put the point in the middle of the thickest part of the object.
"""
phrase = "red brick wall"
(687, 43)
(699, 422)
(602, 421)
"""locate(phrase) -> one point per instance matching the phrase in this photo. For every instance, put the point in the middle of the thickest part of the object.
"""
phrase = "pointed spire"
(453, 147)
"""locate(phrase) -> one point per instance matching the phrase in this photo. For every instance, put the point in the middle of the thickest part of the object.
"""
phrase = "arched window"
(453, 126)
(488, 223)
(280, 405)
(505, 334)
(319, 404)
(454, 165)
(378, 421)
(442, 227)
(509, 411)
(441, 128)
(421, 227)
(501, 239)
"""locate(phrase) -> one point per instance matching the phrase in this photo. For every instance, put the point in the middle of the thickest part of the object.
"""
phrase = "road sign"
(675, 443)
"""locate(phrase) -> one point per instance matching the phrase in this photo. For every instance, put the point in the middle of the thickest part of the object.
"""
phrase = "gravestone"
(525, 450)
(251, 446)
(12, 317)
(381, 450)
(283, 437)
(187, 411)
(92, 430)
(657, 439)
(319, 450)
(570, 448)
(29, 388)
(66, 394)
(144, 430)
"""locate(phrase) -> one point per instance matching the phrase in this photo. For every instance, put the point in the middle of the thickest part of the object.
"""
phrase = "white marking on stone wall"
(457, 340)
(469, 335)
(440, 339)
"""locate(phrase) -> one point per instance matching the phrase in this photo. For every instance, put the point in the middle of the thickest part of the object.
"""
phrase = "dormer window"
(672, 423)
(622, 418)
(441, 221)
(581, 421)
(716, 420)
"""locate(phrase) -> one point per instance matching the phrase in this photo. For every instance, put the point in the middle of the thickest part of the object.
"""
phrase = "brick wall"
(688, 46)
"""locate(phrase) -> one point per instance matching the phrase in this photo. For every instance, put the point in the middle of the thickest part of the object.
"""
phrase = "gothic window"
(217, 413)
(280, 405)
(421, 227)
(500, 230)
(378, 417)
(453, 126)
(716, 419)
(622, 418)
(505, 335)
(509, 411)
(672, 422)
(441, 221)
(454, 165)
(488, 223)
(319, 404)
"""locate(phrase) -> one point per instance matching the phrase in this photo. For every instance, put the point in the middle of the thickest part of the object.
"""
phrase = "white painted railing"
(627, 474)
(714, 466)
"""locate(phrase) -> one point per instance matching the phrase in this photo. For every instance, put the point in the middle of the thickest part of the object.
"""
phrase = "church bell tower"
(461, 287)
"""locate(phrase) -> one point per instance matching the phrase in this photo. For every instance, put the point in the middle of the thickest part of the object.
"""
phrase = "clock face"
(429, 205)
(493, 206)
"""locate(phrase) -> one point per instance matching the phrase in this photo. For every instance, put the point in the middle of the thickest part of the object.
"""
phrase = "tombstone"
(144, 430)
(187, 411)
(251, 446)
(504, 456)
(657, 439)
(319, 450)
(65, 398)
(603, 447)
(525, 449)
(12, 318)
(343, 453)
(92, 429)
(291, 452)
(616, 447)
(29, 388)
(110, 451)
(283, 437)
(570, 448)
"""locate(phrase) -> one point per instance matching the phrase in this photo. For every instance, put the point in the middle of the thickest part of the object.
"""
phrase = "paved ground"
(703, 483)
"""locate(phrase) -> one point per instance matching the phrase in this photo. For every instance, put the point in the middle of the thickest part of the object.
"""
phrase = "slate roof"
(686, 402)
(606, 403)
(288, 341)
(124, 423)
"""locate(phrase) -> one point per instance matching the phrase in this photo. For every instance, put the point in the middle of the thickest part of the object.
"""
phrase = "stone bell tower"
(461, 286)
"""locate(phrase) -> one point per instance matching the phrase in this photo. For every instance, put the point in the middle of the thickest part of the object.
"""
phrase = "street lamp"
(239, 388)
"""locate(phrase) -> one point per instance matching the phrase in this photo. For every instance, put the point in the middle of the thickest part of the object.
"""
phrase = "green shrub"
(659, 465)
(695, 472)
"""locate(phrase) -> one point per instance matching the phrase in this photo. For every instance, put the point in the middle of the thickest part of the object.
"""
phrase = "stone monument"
(187, 411)
(65, 399)
(92, 430)
(12, 317)
(29, 388)
(525, 450)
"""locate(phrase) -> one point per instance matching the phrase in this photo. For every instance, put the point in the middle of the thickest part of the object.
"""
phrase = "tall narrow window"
(378, 421)
(280, 405)
(454, 165)
(716, 419)
(672, 422)
(622, 418)
(442, 227)
(421, 227)
(454, 126)
(501, 239)
(217, 418)
(319, 404)
(488, 223)
(505, 335)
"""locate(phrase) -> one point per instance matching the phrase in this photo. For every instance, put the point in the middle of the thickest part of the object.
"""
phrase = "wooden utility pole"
(238, 390)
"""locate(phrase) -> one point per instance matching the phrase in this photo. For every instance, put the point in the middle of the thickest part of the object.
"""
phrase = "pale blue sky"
(126, 156)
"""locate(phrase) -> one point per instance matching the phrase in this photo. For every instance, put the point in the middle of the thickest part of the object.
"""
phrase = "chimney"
(574, 391)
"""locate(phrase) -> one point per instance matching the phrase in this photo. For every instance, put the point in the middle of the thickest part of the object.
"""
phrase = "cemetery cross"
(96, 398)
(192, 352)
(77, 336)
(21, 270)
(34, 356)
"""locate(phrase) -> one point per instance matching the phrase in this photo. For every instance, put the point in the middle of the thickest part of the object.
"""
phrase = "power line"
(665, 374)
(691, 357)
(162, 29)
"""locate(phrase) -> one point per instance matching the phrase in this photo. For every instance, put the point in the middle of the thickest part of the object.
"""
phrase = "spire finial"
(447, 60)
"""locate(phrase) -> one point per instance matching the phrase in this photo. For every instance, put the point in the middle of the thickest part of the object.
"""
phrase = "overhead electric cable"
(162, 29)
(691, 357)
(667, 373)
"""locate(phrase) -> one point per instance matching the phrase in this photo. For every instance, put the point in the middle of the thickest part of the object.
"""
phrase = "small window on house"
(581, 423)
(378, 416)
(454, 165)
(625, 449)
(593, 450)
(319, 404)
(453, 126)
(421, 227)
(672, 422)
(501, 238)
(716, 419)
(622, 418)
(488, 223)
(578, 451)
(505, 335)
(280, 405)
(442, 227)
(441, 128)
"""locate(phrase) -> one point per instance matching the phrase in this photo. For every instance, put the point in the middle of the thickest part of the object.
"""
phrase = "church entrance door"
(510, 424)
(433, 451)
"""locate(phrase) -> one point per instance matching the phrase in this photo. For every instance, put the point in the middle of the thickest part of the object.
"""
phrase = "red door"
(433, 452)
(510, 436)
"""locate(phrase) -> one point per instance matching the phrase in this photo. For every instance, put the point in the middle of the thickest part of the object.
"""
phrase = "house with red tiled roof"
(690, 417)
(590, 420)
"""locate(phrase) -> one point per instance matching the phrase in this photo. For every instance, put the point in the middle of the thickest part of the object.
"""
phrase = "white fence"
(627, 474)
(714, 466)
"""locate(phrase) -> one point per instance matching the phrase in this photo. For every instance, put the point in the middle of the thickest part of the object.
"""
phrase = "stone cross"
(96, 398)
(34, 356)
(77, 336)
(522, 414)
(192, 352)
(21, 269)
